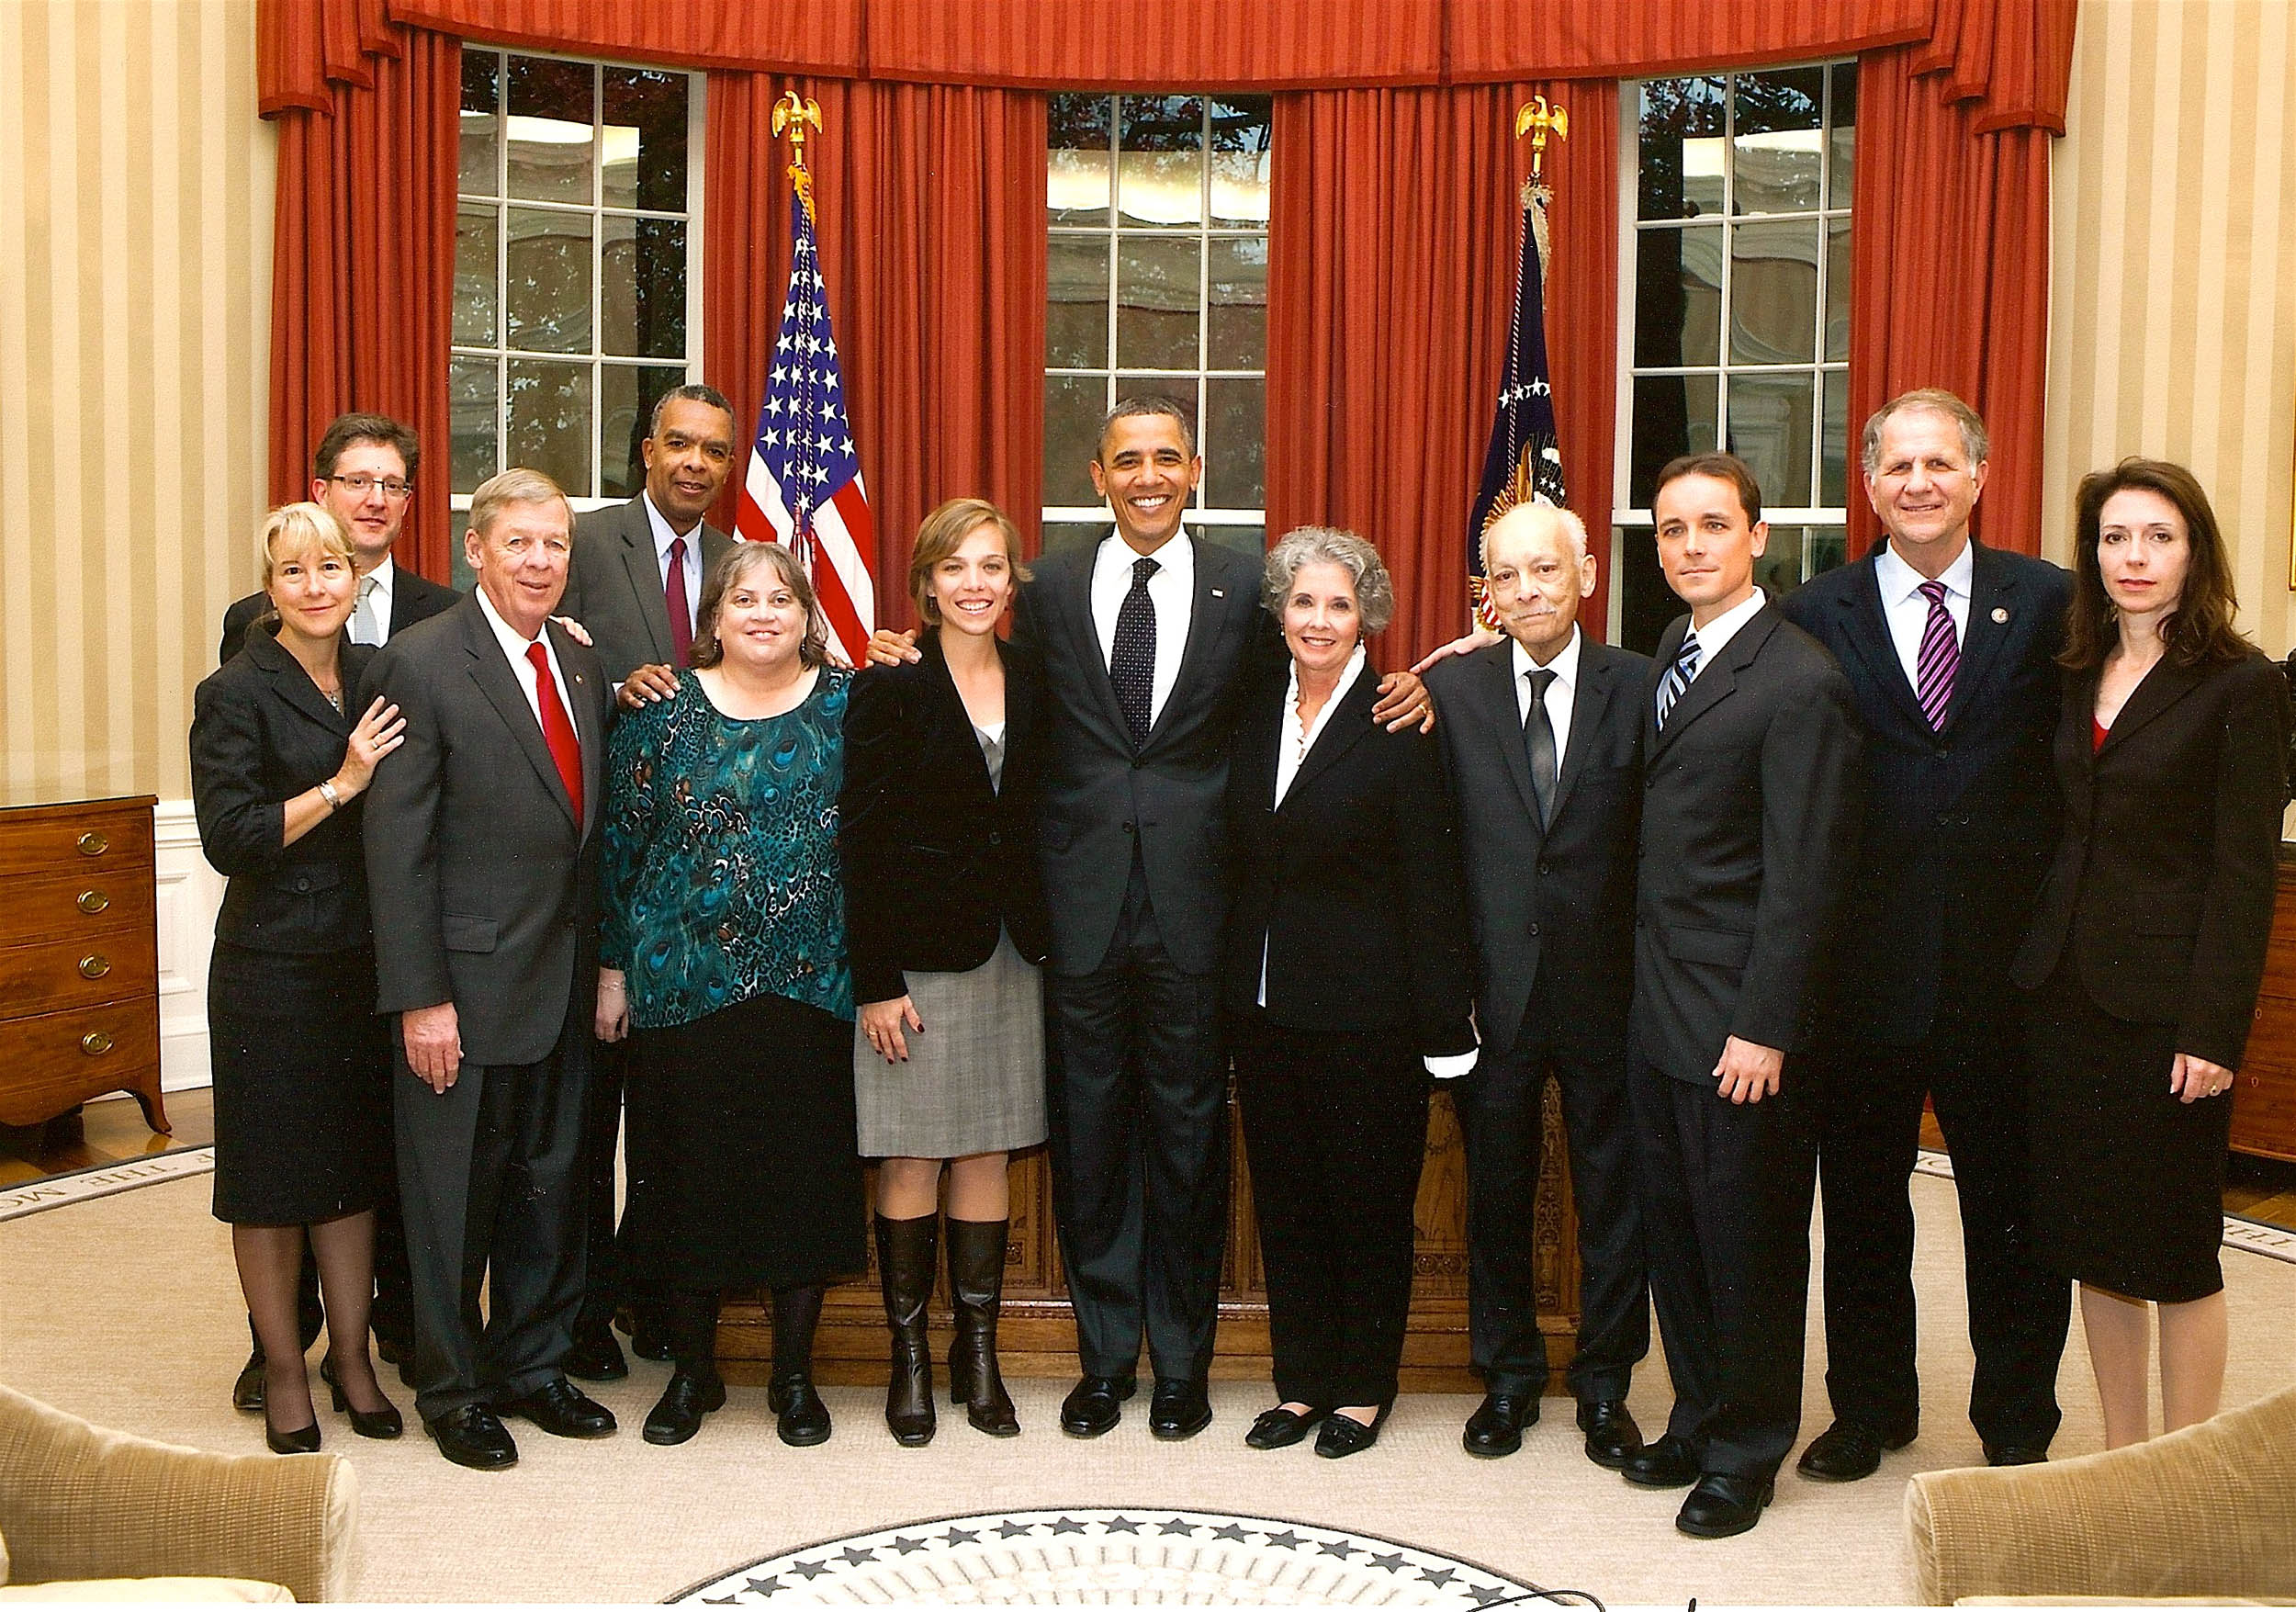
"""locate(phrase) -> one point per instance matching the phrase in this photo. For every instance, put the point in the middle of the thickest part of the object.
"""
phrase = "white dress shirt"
(1172, 590)
(1559, 693)
(514, 651)
(1907, 609)
(1716, 636)
(664, 534)
(384, 577)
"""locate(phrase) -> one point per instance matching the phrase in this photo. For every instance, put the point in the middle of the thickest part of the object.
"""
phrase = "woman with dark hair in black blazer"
(301, 1061)
(945, 928)
(1346, 985)
(2148, 947)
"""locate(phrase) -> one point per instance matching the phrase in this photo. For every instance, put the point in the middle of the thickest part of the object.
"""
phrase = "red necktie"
(557, 728)
(681, 614)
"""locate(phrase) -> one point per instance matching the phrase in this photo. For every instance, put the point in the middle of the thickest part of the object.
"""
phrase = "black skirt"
(302, 1066)
(743, 1169)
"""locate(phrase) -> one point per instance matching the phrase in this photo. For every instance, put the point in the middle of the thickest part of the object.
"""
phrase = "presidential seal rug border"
(102, 1180)
(1124, 1557)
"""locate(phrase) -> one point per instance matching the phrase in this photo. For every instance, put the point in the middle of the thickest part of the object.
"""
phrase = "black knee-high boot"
(976, 1284)
(905, 1268)
(803, 1419)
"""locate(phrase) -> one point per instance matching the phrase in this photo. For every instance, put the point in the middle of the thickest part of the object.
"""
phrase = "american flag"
(804, 486)
(1524, 463)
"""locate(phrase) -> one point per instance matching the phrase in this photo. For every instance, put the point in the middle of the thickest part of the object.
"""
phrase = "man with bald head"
(1542, 734)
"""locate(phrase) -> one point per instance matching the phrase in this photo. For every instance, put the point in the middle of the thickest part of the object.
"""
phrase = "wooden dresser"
(2263, 1094)
(79, 958)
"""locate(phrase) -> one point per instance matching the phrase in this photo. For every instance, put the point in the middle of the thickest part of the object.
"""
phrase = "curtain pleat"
(805, 36)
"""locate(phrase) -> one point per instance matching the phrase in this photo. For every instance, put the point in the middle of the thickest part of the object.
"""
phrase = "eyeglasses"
(360, 486)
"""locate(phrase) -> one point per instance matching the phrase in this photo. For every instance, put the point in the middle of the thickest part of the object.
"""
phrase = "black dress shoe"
(1095, 1405)
(1670, 1463)
(597, 1359)
(677, 1415)
(2014, 1455)
(1496, 1427)
(247, 1393)
(559, 1407)
(1847, 1451)
(800, 1418)
(1280, 1428)
(474, 1437)
(385, 1422)
(1178, 1409)
(1723, 1504)
(296, 1441)
(1344, 1436)
(1612, 1437)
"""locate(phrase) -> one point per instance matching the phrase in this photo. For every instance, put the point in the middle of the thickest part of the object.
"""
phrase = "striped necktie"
(1678, 676)
(1940, 658)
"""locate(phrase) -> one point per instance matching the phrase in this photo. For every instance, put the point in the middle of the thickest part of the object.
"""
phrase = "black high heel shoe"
(385, 1422)
(297, 1441)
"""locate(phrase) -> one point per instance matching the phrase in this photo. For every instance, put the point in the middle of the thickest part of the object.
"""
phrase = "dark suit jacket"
(1353, 882)
(483, 884)
(936, 861)
(2162, 886)
(1748, 803)
(1100, 795)
(1572, 883)
(1958, 824)
(412, 599)
(261, 734)
(613, 585)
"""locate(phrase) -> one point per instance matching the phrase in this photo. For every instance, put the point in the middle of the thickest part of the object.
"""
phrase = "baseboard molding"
(190, 893)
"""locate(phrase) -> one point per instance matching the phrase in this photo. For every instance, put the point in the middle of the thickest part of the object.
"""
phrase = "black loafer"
(247, 1391)
(2014, 1455)
(474, 1437)
(1847, 1451)
(1722, 1505)
(1095, 1405)
(559, 1408)
(597, 1359)
(1670, 1463)
(1178, 1409)
(1280, 1428)
(1496, 1427)
(800, 1419)
(677, 1415)
(1612, 1437)
(1341, 1436)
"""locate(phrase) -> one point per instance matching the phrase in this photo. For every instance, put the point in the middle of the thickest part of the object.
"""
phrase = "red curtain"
(929, 208)
(1393, 250)
(814, 35)
(1634, 38)
(363, 272)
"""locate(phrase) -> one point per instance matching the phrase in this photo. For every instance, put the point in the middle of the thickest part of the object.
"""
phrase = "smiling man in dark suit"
(1542, 738)
(1950, 649)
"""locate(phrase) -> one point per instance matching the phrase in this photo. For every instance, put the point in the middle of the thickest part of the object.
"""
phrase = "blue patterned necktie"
(1678, 676)
(1132, 660)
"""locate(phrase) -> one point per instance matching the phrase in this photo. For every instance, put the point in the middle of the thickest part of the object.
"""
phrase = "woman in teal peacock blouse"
(723, 958)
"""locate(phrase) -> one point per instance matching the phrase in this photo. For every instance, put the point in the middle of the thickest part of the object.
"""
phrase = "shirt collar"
(1716, 636)
(1899, 581)
(1175, 558)
(506, 635)
(1565, 665)
(664, 532)
(382, 574)
(1357, 662)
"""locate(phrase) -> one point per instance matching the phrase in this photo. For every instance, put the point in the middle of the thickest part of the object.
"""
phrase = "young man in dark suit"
(1542, 738)
(1748, 778)
(1950, 649)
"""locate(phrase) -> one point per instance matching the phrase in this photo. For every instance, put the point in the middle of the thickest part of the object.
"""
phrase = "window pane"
(550, 422)
(1779, 569)
(1158, 296)
(475, 408)
(549, 129)
(1674, 414)
(1251, 540)
(1838, 289)
(1678, 297)
(1778, 146)
(1077, 177)
(645, 159)
(1073, 407)
(1238, 336)
(1682, 147)
(479, 125)
(1774, 292)
(1241, 127)
(1834, 449)
(1059, 535)
(1841, 150)
(1823, 548)
(626, 407)
(1770, 429)
(1160, 165)
(549, 281)
(477, 229)
(643, 301)
(1076, 301)
(1235, 438)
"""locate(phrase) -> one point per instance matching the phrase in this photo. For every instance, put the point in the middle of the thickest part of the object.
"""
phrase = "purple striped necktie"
(1940, 658)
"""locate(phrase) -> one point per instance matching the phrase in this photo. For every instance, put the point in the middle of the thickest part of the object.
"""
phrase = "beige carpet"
(123, 1310)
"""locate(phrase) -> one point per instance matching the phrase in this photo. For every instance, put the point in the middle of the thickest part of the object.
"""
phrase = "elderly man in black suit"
(1542, 738)
(1950, 648)
(1748, 781)
(481, 858)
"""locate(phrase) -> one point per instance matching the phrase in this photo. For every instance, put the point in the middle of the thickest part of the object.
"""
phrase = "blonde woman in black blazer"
(301, 1061)
(2148, 946)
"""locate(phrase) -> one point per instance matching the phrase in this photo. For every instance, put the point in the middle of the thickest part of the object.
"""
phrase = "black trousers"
(1137, 1088)
(1335, 1128)
(605, 1284)
(1499, 1108)
(489, 1179)
(1869, 1128)
(1727, 1190)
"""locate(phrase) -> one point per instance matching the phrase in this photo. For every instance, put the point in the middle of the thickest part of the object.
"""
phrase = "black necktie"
(1132, 663)
(1538, 738)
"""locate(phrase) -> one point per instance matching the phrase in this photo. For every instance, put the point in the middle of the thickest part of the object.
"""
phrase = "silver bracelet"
(327, 793)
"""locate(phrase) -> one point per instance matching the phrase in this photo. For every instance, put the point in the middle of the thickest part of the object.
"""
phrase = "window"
(577, 283)
(1157, 282)
(1735, 317)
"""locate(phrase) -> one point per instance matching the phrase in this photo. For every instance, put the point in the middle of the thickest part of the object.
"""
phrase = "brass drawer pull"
(95, 965)
(92, 902)
(92, 843)
(96, 1043)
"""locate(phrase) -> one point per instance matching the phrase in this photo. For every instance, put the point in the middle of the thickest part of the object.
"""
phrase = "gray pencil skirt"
(974, 1079)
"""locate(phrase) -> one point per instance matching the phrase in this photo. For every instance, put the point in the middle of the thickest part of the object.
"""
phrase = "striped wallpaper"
(135, 276)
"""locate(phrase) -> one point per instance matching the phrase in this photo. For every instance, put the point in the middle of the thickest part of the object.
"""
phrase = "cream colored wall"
(2172, 322)
(135, 286)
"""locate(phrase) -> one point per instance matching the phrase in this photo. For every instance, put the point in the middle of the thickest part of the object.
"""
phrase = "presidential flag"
(1523, 463)
(804, 486)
